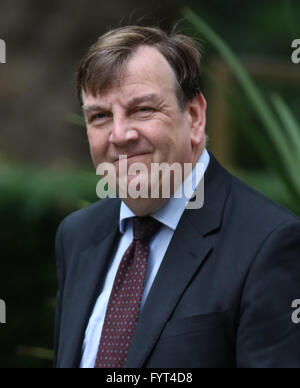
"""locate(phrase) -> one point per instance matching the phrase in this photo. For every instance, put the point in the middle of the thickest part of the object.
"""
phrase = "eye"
(144, 110)
(98, 116)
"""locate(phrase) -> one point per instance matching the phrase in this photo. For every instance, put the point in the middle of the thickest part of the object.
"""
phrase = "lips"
(130, 156)
(134, 156)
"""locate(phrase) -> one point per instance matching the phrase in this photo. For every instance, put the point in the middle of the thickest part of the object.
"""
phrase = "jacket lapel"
(188, 249)
(177, 269)
(87, 274)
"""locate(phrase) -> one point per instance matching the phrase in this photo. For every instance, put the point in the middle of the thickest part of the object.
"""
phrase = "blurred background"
(252, 89)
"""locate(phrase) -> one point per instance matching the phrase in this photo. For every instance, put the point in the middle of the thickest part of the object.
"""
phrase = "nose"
(122, 132)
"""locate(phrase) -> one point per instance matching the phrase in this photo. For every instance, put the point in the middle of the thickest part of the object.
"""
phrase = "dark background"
(45, 167)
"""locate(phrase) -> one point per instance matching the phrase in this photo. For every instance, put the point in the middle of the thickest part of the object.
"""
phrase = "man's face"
(140, 117)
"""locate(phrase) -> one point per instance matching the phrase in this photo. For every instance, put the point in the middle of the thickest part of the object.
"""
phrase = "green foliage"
(32, 204)
(76, 119)
(282, 152)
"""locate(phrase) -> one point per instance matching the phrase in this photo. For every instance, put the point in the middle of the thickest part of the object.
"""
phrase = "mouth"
(131, 157)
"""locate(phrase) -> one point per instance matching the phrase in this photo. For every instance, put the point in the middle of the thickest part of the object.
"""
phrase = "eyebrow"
(152, 97)
(92, 108)
(145, 98)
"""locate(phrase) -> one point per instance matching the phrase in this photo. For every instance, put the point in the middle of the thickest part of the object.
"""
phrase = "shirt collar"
(170, 213)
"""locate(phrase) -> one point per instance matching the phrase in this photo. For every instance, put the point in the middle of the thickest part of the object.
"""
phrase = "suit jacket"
(222, 296)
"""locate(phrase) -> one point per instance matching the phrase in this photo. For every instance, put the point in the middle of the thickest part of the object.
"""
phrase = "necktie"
(124, 304)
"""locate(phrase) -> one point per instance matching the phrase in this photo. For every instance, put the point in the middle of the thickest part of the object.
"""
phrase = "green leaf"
(76, 119)
(290, 123)
(256, 100)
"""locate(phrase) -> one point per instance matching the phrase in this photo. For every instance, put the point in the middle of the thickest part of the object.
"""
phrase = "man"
(209, 287)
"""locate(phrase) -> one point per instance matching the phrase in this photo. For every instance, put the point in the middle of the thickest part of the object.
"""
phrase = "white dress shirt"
(169, 215)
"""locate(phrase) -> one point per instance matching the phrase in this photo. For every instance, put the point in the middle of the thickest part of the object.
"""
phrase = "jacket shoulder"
(81, 224)
(257, 210)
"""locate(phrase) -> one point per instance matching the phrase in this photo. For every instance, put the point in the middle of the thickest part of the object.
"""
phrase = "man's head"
(106, 59)
(140, 91)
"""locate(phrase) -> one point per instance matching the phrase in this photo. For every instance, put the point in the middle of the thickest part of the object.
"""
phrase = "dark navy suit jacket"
(222, 296)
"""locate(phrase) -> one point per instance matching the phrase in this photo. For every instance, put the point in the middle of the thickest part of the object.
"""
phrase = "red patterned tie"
(124, 304)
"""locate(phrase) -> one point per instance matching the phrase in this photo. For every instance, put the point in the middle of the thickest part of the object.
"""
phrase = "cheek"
(171, 141)
(163, 147)
(161, 135)
(98, 146)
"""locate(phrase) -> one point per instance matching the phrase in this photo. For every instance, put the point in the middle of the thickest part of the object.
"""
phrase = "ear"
(197, 113)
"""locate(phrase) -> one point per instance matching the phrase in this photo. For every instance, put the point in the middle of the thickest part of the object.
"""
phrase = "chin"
(144, 206)
(134, 182)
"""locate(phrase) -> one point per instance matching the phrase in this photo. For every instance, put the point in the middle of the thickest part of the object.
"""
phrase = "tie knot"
(145, 227)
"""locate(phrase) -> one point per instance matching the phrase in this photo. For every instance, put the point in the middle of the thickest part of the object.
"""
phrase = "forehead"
(148, 64)
(146, 72)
